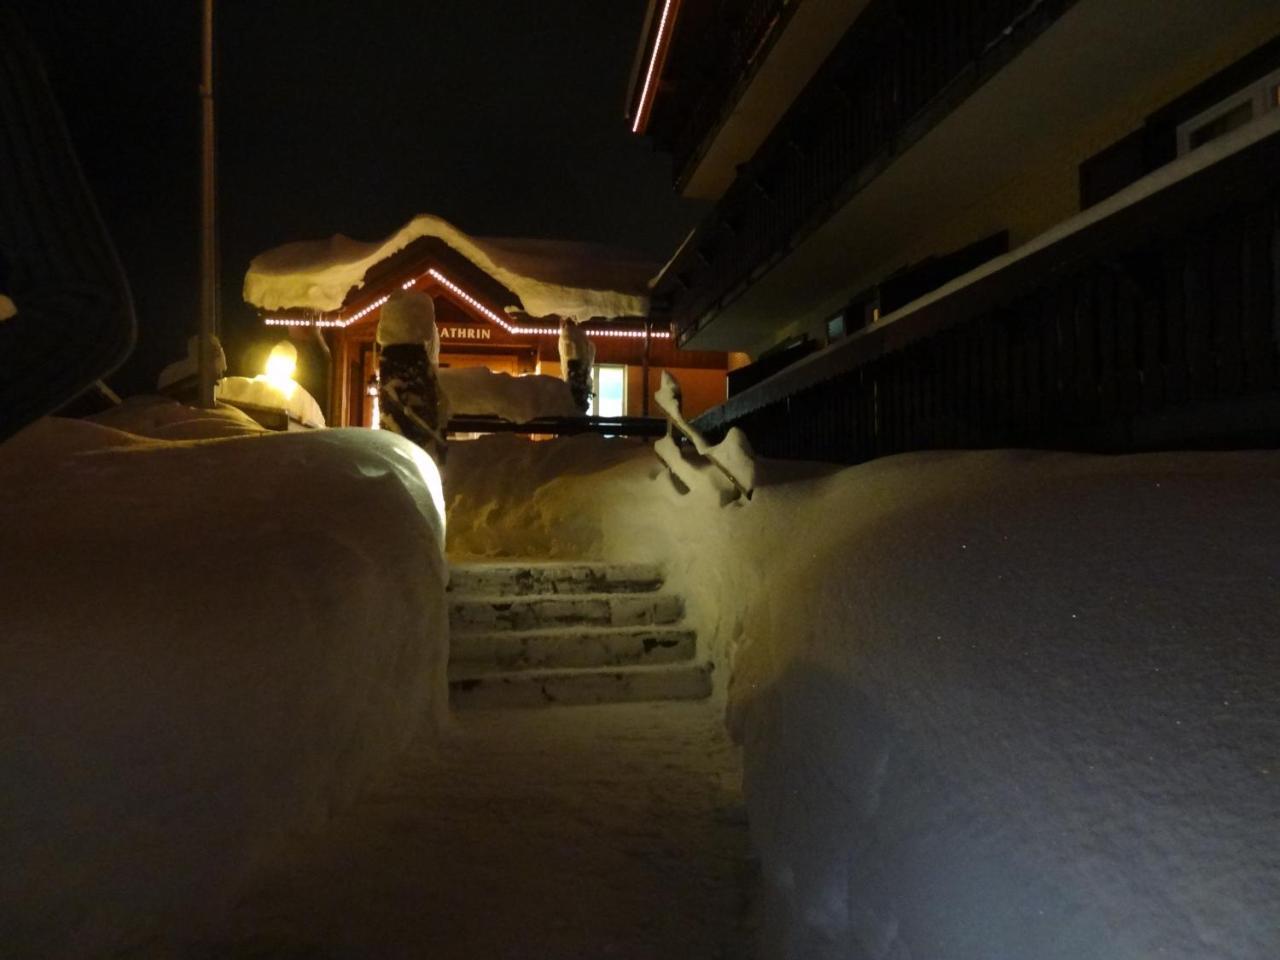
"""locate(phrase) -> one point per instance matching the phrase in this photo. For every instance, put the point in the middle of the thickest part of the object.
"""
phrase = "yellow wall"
(701, 389)
(1048, 191)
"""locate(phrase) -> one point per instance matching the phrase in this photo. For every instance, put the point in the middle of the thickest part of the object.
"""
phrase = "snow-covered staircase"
(542, 634)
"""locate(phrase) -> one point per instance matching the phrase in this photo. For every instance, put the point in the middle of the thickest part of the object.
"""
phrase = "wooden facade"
(475, 330)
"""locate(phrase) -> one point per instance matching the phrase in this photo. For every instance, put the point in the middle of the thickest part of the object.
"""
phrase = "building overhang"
(1098, 56)
(800, 41)
(1236, 170)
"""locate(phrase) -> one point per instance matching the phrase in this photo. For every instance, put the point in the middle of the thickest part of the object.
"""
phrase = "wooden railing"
(1155, 327)
(901, 67)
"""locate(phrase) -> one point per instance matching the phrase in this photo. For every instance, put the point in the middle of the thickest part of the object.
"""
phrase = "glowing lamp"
(283, 362)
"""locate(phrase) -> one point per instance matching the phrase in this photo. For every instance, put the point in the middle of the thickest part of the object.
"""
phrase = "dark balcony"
(903, 65)
(714, 50)
(1151, 324)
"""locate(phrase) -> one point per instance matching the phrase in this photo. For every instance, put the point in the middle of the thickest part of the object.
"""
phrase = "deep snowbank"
(992, 704)
(204, 646)
(478, 390)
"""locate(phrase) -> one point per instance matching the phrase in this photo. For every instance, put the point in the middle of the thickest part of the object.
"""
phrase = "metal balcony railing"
(743, 30)
(901, 59)
(1157, 327)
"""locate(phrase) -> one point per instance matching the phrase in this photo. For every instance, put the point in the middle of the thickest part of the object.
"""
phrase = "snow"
(273, 393)
(613, 831)
(409, 316)
(574, 344)
(7, 308)
(162, 418)
(478, 390)
(992, 704)
(209, 646)
(189, 366)
(549, 277)
(728, 467)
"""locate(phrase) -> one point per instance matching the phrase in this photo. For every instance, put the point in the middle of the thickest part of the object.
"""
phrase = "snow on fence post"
(730, 460)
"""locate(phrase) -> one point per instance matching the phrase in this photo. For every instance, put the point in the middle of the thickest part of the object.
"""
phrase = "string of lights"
(659, 53)
(469, 300)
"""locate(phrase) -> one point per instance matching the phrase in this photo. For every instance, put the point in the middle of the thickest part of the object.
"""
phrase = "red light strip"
(666, 24)
(472, 302)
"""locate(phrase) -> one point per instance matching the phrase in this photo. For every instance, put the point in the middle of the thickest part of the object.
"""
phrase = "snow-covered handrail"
(731, 458)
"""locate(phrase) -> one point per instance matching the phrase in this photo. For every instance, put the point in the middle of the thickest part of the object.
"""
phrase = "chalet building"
(498, 305)
(1047, 223)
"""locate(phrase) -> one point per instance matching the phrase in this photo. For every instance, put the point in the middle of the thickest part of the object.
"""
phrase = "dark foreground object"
(75, 321)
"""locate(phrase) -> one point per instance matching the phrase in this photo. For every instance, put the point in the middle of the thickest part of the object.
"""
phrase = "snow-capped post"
(410, 400)
(577, 353)
(729, 466)
(208, 223)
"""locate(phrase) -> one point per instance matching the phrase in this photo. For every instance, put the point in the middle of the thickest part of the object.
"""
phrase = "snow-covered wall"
(993, 705)
(204, 646)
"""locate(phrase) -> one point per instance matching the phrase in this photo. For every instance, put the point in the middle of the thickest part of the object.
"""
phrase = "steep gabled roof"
(544, 277)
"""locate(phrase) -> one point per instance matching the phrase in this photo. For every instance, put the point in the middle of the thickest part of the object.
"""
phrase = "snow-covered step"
(547, 688)
(523, 579)
(570, 647)
(468, 614)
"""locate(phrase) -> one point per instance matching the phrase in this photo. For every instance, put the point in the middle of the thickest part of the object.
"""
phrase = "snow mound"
(549, 277)
(409, 316)
(991, 704)
(1019, 705)
(161, 418)
(262, 391)
(188, 368)
(513, 497)
(477, 390)
(207, 646)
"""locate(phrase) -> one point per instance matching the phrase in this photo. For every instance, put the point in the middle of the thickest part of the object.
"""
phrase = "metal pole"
(644, 372)
(208, 222)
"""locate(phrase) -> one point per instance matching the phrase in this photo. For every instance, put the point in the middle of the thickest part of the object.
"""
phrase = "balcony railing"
(899, 69)
(742, 31)
(1154, 327)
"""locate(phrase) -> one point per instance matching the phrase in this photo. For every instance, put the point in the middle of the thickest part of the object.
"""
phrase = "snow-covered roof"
(551, 277)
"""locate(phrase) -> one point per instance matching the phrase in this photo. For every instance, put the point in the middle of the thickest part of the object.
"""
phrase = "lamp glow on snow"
(281, 366)
(371, 388)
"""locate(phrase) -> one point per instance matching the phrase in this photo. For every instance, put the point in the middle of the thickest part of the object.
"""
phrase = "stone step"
(549, 688)
(524, 579)
(570, 647)
(469, 614)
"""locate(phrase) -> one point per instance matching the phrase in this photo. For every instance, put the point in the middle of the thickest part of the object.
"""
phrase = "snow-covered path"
(613, 831)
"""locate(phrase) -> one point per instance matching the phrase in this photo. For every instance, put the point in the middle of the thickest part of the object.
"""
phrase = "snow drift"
(206, 646)
(262, 391)
(993, 704)
(478, 390)
(550, 277)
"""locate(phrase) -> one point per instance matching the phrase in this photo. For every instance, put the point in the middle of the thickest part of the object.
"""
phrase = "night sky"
(502, 116)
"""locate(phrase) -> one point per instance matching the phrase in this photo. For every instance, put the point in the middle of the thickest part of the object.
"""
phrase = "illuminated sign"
(466, 333)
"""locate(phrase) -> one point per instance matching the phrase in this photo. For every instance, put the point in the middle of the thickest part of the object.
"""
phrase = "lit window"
(609, 391)
(1238, 110)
